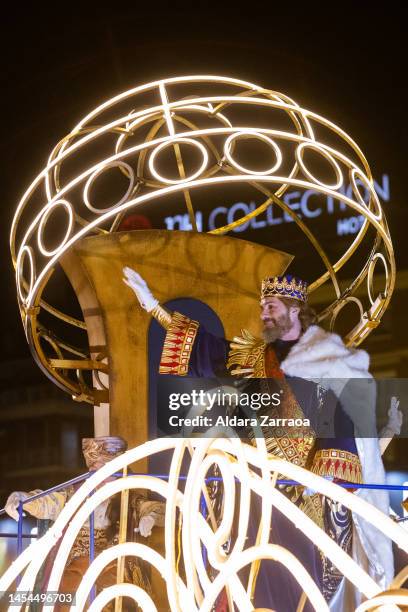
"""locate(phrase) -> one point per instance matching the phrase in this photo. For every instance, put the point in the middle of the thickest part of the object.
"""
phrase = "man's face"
(276, 318)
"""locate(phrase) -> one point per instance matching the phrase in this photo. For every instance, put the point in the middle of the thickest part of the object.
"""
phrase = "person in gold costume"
(293, 351)
(143, 515)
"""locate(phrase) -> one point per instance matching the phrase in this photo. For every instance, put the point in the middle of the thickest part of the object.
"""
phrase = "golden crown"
(284, 286)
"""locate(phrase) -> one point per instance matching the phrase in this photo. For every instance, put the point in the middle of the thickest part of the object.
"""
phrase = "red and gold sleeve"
(338, 464)
(178, 345)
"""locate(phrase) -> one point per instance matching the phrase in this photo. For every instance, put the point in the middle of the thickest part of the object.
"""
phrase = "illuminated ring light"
(43, 222)
(370, 275)
(164, 145)
(99, 171)
(177, 118)
(25, 250)
(315, 147)
(255, 135)
(355, 173)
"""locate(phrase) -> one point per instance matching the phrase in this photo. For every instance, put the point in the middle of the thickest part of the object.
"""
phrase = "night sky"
(346, 61)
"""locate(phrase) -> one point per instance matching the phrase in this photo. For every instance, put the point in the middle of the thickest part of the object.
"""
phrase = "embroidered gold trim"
(312, 506)
(337, 464)
(247, 352)
(284, 446)
(162, 316)
(178, 345)
(295, 444)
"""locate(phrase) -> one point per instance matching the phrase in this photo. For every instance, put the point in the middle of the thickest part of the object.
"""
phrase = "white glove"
(139, 286)
(395, 417)
(12, 503)
(146, 525)
(393, 426)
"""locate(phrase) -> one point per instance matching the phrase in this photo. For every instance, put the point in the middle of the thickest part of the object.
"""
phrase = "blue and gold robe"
(189, 350)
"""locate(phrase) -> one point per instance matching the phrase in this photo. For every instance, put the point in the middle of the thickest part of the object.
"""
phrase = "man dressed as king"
(296, 352)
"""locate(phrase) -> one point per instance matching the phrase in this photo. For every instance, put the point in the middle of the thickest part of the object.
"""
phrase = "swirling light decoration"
(200, 113)
(241, 463)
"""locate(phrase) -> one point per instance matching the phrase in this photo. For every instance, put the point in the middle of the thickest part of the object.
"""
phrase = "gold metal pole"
(186, 192)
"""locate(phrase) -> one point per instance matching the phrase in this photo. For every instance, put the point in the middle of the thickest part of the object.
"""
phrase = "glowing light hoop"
(164, 145)
(132, 591)
(44, 219)
(98, 172)
(356, 172)
(316, 147)
(370, 274)
(185, 122)
(19, 266)
(259, 136)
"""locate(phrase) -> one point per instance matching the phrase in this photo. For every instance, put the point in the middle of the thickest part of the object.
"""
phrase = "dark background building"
(348, 65)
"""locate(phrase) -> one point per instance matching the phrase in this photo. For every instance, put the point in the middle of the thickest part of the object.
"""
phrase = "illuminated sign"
(307, 204)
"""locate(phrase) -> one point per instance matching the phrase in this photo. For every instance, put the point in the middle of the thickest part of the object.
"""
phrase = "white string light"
(183, 180)
(102, 167)
(128, 549)
(198, 592)
(355, 173)
(166, 111)
(326, 155)
(23, 252)
(233, 137)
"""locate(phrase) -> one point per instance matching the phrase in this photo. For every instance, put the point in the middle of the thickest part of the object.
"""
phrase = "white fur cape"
(323, 357)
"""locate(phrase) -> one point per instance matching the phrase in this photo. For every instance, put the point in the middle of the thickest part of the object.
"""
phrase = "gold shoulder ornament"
(247, 352)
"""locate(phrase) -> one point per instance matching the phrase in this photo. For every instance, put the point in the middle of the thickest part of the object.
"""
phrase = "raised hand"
(393, 425)
(146, 525)
(395, 417)
(133, 280)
